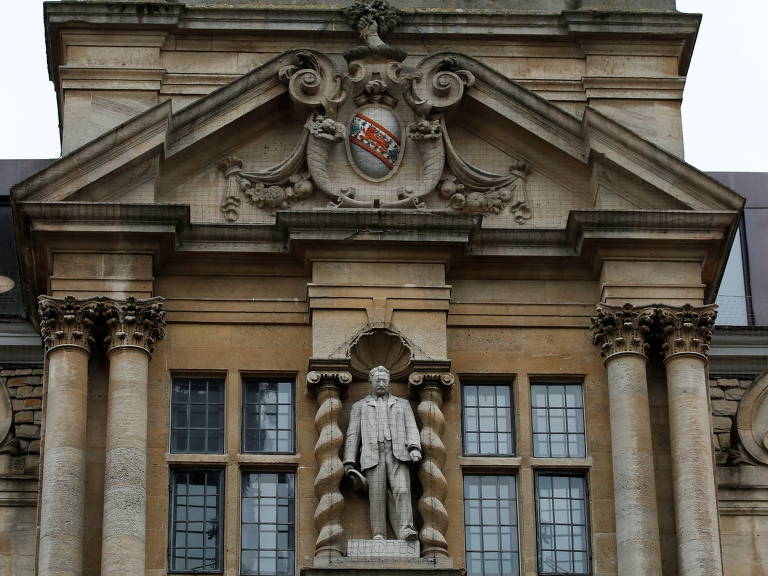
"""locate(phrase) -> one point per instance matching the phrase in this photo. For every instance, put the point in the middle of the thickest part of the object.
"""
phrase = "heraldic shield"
(375, 144)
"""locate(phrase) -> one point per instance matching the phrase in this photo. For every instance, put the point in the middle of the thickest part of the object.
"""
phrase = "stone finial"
(134, 322)
(622, 329)
(686, 329)
(371, 18)
(68, 321)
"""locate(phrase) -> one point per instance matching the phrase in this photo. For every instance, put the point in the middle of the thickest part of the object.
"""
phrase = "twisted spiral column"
(328, 388)
(431, 389)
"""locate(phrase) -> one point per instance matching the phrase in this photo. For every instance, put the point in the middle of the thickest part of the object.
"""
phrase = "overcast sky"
(723, 112)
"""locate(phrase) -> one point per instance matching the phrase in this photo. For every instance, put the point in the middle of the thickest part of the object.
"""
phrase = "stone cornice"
(622, 329)
(133, 323)
(687, 329)
(68, 322)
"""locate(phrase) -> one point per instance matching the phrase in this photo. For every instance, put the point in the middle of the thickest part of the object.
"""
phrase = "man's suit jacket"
(362, 433)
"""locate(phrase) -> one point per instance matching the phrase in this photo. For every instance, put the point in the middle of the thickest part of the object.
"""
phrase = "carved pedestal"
(328, 388)
(431, 388)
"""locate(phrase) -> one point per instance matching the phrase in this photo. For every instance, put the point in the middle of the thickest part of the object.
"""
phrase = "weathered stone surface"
(724, 441)
(716, 393)
(734, 393)
(724, 407)
(722, 424)
(727, 382)
(358, 548)
(29, 431)
(24, 417)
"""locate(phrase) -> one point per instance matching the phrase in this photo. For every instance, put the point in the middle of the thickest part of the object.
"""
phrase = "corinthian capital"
(134, 322)
(686, 329)
(622, 329)
(67, 321)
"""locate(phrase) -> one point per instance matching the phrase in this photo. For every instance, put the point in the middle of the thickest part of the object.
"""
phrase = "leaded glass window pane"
(197, 416)
(563, 529)
(490, 526)
(195, 542)
(267, 416)
(487, 420)
(267, 531)
(557, 417)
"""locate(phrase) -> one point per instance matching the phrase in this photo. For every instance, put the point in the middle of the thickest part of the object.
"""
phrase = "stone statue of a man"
(383, 432)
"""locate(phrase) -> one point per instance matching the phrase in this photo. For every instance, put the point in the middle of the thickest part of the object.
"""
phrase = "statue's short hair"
(376, 369)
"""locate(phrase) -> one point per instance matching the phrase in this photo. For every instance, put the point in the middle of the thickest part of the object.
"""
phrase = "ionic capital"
(336, 379)
(67, 321)
(686, 329)
(133, 323)
(622, 329)
(423, 380)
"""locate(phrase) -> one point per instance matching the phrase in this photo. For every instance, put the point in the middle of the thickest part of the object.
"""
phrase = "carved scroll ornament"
(623, 329)
(687, 329)
(68, 321)
(134, 322)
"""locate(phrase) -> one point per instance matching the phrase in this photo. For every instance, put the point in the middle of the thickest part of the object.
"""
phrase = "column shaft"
(63, 483)
(125, 482)
(693, 474)
(634, 485)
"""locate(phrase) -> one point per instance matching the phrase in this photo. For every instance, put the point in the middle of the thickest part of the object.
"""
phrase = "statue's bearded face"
(380, 382)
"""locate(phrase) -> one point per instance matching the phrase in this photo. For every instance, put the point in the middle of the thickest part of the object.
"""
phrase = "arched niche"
(381, 347)
(752, 420)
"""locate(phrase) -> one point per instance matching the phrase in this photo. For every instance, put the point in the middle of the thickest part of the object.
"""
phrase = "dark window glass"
(196, 521)
(490, 526)
(267, 416)
(267, 529)
(558, 421)
(197, 416)
(487, 420)
(563, 528)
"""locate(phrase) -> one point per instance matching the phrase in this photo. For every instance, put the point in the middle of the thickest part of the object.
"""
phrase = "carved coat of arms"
(375, 142)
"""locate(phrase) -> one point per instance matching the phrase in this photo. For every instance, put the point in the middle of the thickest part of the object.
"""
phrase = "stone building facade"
(257, 204)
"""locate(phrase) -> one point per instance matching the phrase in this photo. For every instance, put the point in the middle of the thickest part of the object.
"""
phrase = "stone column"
(66, 327)
(328, 387)
(687, 333)
(133, 328)
(431, 389)
(621, 334)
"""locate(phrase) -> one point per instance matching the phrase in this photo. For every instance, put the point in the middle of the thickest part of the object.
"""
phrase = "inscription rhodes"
(361, 549)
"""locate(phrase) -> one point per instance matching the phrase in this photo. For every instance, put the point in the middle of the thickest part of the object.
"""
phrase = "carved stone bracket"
(431, 388)
(622, 329)
(328, 387)
(133, 322)
(687, 329)
(314, 82)
(68, 321)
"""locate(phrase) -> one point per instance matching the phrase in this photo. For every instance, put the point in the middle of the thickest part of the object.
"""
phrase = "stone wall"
(725, 394)
(19, 456)
(25, 390)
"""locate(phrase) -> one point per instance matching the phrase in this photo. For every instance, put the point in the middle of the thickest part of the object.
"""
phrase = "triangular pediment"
(448, 135)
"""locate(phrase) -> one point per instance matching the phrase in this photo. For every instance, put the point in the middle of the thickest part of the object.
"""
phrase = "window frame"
(514, 473)
(563, 472)
(558, 381)
(208, 376)
(221, 504)
(277, 469)
(509, 382)
(245, 378)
